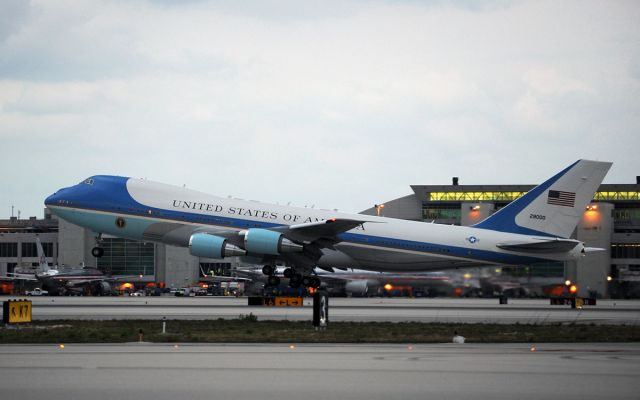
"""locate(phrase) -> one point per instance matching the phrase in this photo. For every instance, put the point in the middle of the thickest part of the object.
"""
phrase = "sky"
(336, 105)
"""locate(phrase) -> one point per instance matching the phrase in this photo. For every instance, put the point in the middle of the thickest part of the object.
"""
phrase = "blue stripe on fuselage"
(109, 194)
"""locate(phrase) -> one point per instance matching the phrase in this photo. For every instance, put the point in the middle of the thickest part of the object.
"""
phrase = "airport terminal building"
(611, 222)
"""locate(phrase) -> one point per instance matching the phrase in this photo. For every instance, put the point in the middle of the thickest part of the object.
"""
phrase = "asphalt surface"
(447, 310)
(443, 371)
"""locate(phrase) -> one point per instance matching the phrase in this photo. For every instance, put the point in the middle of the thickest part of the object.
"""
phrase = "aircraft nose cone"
(51, 199)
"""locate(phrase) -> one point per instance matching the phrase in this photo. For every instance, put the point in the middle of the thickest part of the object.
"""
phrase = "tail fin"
(44, 265)
(554, 207)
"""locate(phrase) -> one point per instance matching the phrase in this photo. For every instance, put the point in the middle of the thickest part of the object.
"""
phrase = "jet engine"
(358, 288)
(264, 241)
(102, 288)
(211, 246)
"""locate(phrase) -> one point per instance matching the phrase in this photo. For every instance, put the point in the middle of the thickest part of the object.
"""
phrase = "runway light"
(292, 346)
(175, 346)
(567, 282)
(609, 278)
(61, 346)
(467, 276)
(388, 286)
(533, 348)
(410, 348)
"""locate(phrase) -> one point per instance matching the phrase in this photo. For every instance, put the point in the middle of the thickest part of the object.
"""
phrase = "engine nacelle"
(211, 246)
(102, 288)
(264, 241)
(357, 288)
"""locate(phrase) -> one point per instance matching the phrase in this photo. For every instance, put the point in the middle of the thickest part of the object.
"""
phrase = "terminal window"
(29, 249)
(47, 247)
(127, 257)
(449, 214)
(8, 249)
(625, 250)
(215, 269)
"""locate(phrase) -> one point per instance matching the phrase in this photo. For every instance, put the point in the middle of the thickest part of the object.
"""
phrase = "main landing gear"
(295, 279)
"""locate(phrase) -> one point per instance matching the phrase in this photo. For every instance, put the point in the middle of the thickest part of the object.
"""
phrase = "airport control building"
(612, 222)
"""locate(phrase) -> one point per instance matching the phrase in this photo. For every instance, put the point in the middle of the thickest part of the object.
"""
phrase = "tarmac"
(274, 371)
(443, 310)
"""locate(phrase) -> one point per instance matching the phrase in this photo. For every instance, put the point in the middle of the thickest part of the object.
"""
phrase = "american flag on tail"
(560, 198)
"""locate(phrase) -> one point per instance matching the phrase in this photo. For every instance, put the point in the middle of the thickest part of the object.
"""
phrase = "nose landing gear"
(98, 251)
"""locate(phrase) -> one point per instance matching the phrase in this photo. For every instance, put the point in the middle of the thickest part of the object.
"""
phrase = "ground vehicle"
(37, 292)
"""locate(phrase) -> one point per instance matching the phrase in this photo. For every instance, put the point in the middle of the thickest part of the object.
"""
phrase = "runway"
(443, 310)
(268, 371)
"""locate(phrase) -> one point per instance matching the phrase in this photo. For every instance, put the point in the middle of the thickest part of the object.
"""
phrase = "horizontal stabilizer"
(541, 246)
(593, 249)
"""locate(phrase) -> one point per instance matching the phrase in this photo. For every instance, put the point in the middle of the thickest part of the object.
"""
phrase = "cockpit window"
(88, 181)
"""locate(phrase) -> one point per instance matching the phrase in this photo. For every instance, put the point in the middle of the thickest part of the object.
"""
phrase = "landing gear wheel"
(295, 281)
(97, 252)
(268, 270)
(273, 280)
(288, 273)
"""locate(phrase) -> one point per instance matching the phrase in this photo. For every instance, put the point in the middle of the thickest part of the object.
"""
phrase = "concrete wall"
(175, 266)
(75, 244)
(594, 230)
(407, 207)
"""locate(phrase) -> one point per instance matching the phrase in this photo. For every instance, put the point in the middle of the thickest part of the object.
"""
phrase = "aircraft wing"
(80, 282)
(11, 277)
(556, 245)
(313, 231)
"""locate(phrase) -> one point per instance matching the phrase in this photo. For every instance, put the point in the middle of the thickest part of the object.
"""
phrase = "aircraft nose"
(51, 199)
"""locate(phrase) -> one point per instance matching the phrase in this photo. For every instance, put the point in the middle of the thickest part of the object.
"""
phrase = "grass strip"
(249, 330)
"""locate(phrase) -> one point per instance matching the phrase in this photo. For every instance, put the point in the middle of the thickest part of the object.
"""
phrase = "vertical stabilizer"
(43, 265)
(554, 207)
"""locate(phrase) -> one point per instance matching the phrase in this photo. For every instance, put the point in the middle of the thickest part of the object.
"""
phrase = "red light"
(573, 289)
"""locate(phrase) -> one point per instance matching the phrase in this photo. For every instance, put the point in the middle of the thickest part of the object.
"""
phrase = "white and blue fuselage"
(149, 211)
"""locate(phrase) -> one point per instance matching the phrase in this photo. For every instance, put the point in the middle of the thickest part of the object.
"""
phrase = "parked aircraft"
(43, 268)
(356, 282)
(534, 228)
(60, 281)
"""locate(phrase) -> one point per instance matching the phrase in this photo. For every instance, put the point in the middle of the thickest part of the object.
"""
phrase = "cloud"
(340, 105)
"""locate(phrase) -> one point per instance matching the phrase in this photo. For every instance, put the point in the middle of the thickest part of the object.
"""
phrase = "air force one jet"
(534, 228)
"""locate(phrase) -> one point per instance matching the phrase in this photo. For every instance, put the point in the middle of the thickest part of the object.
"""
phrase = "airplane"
(533, 228)
(360, 283)
(59, 281)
